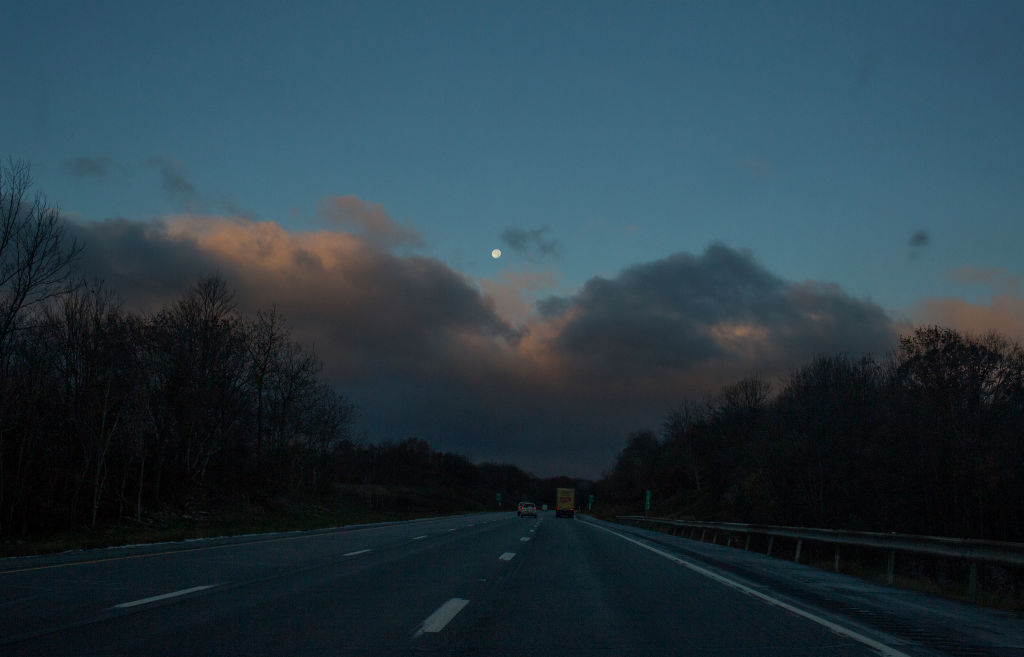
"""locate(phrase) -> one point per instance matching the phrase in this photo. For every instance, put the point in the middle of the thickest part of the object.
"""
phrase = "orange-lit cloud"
(1003, 314)
(995, 278)
(368, 220)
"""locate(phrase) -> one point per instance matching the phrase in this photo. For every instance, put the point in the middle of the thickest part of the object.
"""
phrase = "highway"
(484, 584)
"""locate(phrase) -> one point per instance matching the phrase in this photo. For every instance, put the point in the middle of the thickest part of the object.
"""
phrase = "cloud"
(513, 293)
(1004, 314)
(994, 278)
(141, 261)
(531, 243)
(89, 167)
(368, 220)
(423, 350)
(919, 239)
(363, 306)
(687, 315)
(175, 184)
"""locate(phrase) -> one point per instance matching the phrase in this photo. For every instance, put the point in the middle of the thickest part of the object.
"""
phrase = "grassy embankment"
(348, 506)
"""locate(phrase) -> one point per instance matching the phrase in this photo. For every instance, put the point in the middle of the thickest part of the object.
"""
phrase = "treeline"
(105, 414)
(927, 440)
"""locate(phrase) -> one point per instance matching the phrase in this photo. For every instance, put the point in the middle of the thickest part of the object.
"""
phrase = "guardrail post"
(973, 584)
(891, 566)
(799, 544)
(747, 546)
(836, 566)
(771, 541)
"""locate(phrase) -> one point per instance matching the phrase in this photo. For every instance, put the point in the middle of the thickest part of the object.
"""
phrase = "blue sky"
(820, 136)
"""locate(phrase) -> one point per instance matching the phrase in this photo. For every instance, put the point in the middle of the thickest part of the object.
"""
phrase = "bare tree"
(267, 335)
(93, 357)
(35, 257)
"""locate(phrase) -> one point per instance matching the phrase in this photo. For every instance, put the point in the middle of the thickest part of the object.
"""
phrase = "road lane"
(468, 585)
(580, 591)
(38, 593)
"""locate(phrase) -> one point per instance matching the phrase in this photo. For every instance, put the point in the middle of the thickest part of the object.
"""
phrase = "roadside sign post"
(590, 502)
(647, 502)
(497, 498)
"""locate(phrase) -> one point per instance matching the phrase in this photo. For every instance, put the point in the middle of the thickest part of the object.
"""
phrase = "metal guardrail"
(970, 550)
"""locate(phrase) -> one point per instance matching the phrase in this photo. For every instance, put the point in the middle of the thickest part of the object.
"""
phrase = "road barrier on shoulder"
(972, 551)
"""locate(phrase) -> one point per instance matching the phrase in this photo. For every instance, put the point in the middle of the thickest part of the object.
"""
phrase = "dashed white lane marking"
(524, 539)
(155, 598)
(352, 554)
(418, 538)
(452, 529)
(436, 621)
(507, 556)
(881, 648)
(532, 530)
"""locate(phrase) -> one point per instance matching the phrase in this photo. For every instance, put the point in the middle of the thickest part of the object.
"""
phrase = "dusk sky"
(684, 193)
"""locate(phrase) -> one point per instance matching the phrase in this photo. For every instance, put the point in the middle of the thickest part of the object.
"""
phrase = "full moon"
(496, 253)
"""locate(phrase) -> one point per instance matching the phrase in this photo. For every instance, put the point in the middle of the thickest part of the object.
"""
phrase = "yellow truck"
(565, 502)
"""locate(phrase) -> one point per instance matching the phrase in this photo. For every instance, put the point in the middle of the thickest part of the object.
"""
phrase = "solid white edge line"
(437, 621)
(507, 556)
(838, 629)
(352, 554)
(155, 598)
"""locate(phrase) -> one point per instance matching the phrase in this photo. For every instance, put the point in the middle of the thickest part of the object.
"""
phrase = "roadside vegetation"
(925, 441)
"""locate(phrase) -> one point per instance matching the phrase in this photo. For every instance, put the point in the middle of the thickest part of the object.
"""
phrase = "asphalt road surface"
(486, 584)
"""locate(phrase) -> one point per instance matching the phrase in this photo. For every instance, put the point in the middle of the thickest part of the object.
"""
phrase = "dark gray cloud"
(531, 242)
(685, 313)
(173, 180)
(89, 167)
(145, 266)
(422, 352)
(919, 239)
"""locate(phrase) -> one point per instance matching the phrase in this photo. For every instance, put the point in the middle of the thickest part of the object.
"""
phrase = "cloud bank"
(423, 350)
